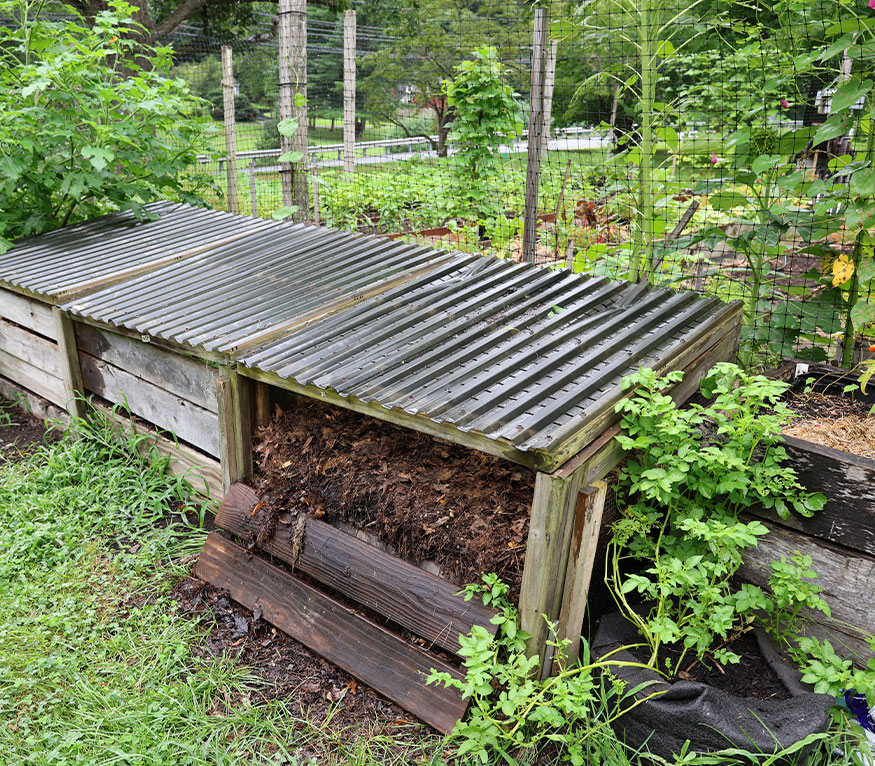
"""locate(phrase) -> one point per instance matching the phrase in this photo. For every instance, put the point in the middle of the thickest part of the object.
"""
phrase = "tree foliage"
(89, 122)
(486, 114)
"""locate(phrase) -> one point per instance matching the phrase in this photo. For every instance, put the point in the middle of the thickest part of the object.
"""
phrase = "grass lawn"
(96, 664)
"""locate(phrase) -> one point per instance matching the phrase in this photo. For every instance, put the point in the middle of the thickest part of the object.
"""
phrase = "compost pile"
(427, 500)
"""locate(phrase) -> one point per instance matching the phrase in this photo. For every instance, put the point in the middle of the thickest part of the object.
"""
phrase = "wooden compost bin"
(45, 357)
(512, 360)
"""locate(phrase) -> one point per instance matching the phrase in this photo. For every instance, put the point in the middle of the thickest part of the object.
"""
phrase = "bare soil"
(293, 673)
(751, 678)
(22, 435)
(425, 499)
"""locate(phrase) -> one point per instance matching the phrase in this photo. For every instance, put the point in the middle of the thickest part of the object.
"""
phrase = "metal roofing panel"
(104, 250)
(229, 296)
(512, 351)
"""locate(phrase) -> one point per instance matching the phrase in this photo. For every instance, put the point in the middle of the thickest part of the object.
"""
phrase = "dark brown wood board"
(848, 481)
(423, 603)
(380, 659)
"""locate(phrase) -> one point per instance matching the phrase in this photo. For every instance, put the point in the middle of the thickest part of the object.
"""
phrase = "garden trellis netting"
(716, 146)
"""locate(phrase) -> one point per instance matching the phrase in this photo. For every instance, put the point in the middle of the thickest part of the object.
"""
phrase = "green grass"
(96, 666)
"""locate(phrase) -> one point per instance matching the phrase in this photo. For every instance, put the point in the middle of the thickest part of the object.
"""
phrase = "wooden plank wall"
(28, 348)
(840, 539)
(168, 389)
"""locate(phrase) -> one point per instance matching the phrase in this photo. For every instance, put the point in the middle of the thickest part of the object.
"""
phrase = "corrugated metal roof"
(525, 356)
(111, 248)
(512, 351)
(232, 295)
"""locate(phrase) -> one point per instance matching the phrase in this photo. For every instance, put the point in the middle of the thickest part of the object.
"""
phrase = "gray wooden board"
(382, 660)
(31, 348)
(848, 481)
(422, 602)
(33, 378)
(28, 312)
(187, 378)
(847, 578)
(189, 422)
(36, 405)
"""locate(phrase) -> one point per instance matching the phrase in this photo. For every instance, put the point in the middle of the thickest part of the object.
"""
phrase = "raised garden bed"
(840, 538)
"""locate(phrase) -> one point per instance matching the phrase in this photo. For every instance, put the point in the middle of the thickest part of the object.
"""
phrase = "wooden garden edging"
(840, 539)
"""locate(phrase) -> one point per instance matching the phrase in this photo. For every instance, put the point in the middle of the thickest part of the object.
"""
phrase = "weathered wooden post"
(349, 46)
(292, 40)
(234, 394)
(71, 370)
(549, 84)
(536, 127)
(230, 125)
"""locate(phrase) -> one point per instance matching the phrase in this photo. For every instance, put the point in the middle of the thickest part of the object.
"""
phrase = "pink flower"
(872, 4)
(785, 104)
(715, 159)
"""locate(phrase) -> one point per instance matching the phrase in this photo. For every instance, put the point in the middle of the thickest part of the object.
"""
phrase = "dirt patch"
(20, 432)
(292, 672)
(427, 500)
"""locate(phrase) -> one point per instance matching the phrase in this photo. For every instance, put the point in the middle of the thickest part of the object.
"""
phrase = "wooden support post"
(292, 41)
(233, 392)
(549, 83)
(550, 528)
(71, 370)
(536, 127)
(230, 125)
(252, 195)
(261, 410)
(227, 452)
(584, 540)
(349, 46)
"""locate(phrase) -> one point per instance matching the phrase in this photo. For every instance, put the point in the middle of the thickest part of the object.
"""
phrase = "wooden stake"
(549, 83)
(550, 527)
(315, 194)
(71, 370)
(349, 46)
(233, 392)
(230, 125)
(262, 403)
(584, 540)
(292, 41)
(536, 127)
(252, 195)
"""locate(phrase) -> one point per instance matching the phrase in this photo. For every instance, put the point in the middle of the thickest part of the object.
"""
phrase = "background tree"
(77, 138)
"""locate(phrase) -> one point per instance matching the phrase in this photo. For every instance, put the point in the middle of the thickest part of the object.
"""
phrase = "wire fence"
(720, 147)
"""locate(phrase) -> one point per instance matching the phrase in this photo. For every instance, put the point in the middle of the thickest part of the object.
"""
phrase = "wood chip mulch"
(427, 500)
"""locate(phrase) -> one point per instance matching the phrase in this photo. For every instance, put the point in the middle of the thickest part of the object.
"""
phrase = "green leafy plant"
(514, 715)
(792, 591)
(89, 120)
(485, 114)
(691, 473)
